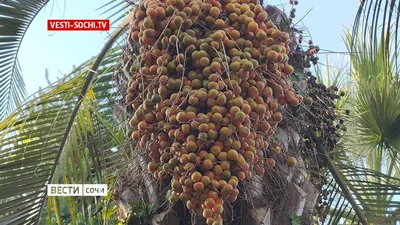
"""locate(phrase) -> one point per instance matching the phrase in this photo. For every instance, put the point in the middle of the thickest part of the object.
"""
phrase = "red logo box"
(78, 25)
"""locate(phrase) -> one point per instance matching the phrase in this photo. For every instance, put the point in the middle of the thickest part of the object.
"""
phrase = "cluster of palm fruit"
(309, 55)
(206, 90)
(292, 13)
(327, 127)
(322, 116)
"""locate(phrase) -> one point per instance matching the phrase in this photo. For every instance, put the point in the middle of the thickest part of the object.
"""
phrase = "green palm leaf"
(376, 101)
(355, 196)
(374, 204)
(47, 128)
(15, 18)
(116, 10)
(378, 21)
(368, 193)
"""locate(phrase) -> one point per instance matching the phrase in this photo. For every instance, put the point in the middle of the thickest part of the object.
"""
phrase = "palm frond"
(378, 21)
(376, 112)
(379, 117)
(376, 200)
(33, 139)
(370, 196)
(13, 92)
(370, 190)
(354, 195)
(116, 10)
(15, 18)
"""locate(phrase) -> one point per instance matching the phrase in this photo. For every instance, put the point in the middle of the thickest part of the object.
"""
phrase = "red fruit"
(271, 162)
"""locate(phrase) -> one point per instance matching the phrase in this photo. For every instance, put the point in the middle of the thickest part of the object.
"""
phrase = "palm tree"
(68, 123)
(375, 43)
(72, 120)
(374, 136)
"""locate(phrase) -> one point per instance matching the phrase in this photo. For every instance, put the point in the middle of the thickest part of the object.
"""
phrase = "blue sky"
(58, 51)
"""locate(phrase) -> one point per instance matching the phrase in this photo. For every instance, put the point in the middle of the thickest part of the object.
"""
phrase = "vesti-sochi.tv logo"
(78, 25)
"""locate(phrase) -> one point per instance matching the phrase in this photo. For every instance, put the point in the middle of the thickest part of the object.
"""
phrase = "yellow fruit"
(204, 61)
(214, 12)
(181, 117)
(191, 146)
(173, 198)
(209, 203)
(224, 133)
(233, 155)
(210, 221)
(196, 176)
(213, 195)
(288, 69)
(207, 164)
(223, 156)
(205, 180)
(252, 27)
(272, 56)
(291, 161)
(207, 213)
(217, 170)
(307, 100)
(215, 67)
(247, 66)
(199, 186)
(218, 208)
(230, 8)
